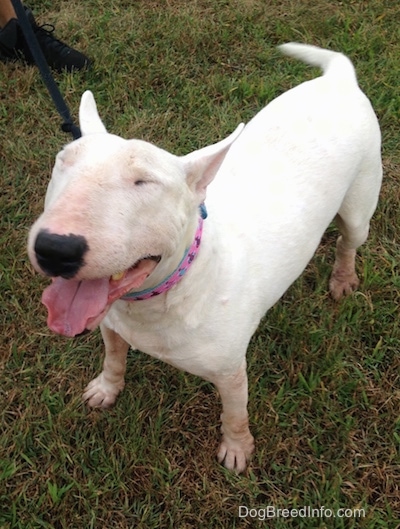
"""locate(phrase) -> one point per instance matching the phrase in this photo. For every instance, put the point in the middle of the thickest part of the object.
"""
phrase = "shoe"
(59, 56)
(12, 43)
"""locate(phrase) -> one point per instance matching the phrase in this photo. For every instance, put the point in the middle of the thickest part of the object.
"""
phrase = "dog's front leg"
(104, 389)
(237, 442)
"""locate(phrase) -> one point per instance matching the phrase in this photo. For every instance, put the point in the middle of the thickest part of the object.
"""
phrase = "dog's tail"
(331, 62)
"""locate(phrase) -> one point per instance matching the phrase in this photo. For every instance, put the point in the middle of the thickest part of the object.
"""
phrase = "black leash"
(30, 37)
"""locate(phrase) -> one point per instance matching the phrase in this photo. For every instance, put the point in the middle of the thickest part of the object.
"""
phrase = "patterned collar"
(178, 273)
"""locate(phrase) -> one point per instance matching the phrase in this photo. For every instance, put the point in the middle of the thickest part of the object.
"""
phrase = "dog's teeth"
(117, 277)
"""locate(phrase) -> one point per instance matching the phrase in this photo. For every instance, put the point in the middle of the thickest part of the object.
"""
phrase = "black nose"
(60, 255)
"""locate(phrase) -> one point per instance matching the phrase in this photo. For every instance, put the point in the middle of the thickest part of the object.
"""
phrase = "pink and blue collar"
(178, 273)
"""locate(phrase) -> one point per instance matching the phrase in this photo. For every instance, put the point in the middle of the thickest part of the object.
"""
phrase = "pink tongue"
(71, 304)
(74, 306)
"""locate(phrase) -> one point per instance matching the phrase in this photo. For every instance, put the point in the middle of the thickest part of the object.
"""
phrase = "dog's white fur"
(310, 156)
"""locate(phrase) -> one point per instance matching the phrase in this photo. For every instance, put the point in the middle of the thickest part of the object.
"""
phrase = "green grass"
(323, 377)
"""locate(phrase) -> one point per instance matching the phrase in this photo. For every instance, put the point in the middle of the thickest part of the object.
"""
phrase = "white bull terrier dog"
(124, 239)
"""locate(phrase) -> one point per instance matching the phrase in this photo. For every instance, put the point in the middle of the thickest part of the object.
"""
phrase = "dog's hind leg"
(353, 221)
(237, 442)
(344, 279)
(102, 391)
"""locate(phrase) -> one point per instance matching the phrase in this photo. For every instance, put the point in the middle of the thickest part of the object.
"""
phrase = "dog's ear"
(202, 165)
(89, 119)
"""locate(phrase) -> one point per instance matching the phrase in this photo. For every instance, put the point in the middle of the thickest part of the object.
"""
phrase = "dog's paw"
(342, 284)
(235, 455)
(102, 394)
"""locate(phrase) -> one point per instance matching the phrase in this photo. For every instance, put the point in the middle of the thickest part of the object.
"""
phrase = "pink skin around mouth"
(75, 306)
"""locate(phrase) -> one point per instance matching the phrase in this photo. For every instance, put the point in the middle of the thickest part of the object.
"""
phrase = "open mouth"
(123, 282)
(75, 306)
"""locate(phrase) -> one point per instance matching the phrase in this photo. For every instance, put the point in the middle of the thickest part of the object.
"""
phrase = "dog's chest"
(158, 333)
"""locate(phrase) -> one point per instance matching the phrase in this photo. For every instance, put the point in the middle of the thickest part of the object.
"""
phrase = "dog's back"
(287, 175)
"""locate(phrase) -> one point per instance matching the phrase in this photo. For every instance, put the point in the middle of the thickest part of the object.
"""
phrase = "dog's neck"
(173, 278)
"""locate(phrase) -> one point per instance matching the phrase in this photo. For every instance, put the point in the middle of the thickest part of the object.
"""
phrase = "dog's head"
(117, 215)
